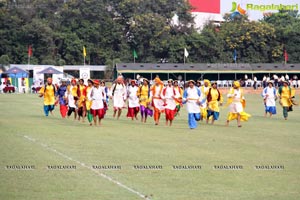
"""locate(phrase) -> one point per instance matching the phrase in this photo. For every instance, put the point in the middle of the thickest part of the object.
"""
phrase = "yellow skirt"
(203, 113)
(88, 105)
(244, 116)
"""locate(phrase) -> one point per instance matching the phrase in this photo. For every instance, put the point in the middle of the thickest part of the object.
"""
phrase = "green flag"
(135, 54)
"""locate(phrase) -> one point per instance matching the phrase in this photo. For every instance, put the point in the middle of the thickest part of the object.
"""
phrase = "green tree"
(253, 41)
(287, 31)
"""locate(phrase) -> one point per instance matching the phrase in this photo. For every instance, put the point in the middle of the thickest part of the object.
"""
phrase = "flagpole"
(84, 55)
(29, 54)
(134, 55)
(184, 56)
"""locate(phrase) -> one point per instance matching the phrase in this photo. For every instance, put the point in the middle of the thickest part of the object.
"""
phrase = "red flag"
(29, 51)
(286, 56)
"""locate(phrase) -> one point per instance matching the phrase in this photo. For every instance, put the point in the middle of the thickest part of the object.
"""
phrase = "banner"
(85, 74)
(256, 9)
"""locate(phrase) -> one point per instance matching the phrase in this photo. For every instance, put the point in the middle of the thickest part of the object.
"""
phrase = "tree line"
(111, 30)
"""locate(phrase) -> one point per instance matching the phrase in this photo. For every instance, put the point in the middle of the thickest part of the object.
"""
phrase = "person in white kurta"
(133, 100)
(97, 96)
(269, 95)
(119, 93)
(192, 99)
(169, 95)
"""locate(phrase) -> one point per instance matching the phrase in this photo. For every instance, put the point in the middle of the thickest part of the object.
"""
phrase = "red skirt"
(99, 112)
(63, 110)
(170, 114)
(132, 112)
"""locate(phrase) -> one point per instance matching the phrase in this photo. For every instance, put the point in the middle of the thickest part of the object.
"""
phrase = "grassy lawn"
(29, 138)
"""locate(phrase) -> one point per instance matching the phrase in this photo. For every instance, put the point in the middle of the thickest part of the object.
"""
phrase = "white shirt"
(156, 97)
(119, 95)
(236, 105)
(168, 95)
(204, 91)
(269, 94)
(287, 77)
(133, 100)
(71, 101)
(191, 96)
(96, 95)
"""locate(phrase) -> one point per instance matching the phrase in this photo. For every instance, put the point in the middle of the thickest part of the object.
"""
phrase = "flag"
(135, 54)
(29, 51)
(286, 56)
(84, 52)
(186, 53)
(234, 55)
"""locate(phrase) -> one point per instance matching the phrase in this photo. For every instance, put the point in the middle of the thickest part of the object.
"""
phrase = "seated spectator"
(1, 87)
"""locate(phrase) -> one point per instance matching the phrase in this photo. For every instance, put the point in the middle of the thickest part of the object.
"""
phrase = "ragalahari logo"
(237, 10)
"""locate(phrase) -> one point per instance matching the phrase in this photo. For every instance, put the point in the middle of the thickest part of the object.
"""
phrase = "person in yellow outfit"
(81, 100)
(204, 91)
(286, 93)
(88, 103)
(144, 97)
(48, 92)
(236, 101)
(214, 99)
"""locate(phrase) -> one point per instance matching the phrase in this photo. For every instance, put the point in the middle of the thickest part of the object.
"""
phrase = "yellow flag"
(84, 52)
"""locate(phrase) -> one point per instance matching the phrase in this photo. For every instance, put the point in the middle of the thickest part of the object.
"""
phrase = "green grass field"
(29, 138)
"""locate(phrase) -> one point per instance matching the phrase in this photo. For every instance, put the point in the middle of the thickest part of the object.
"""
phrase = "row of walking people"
(202, 103)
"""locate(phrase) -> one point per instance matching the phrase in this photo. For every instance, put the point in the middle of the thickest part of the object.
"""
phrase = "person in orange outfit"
(157, 101)
(48, 91)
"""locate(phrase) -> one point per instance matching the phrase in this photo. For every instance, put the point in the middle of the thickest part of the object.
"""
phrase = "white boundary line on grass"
(45, 146)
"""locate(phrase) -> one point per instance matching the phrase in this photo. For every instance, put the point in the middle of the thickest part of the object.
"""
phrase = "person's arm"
(90, 94)
(264, 93)
(221, 98)
(231, 93)
(185, 96)
(124, 93)
(104, 94)
(42, 91)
